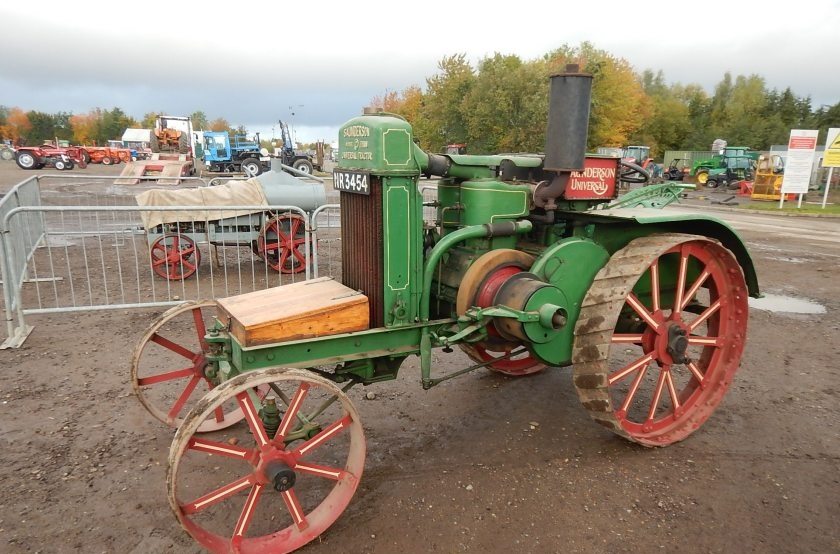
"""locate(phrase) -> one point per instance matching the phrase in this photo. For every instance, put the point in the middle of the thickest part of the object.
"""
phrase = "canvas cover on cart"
(232, 193)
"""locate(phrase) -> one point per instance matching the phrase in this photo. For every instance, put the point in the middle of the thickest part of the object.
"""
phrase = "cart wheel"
(277, 483)
(168, 366)
(654, 367)
(478, 287)
(172, 257)
(282, 243)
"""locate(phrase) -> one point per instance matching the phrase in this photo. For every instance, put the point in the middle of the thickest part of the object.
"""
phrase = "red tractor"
(48, 155)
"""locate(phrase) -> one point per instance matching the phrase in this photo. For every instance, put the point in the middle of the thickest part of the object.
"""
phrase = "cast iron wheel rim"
(632, 383)
(168, 366)
(172, 257)
(280, 243)
(305, 505)
(478, 288)
(26, 160)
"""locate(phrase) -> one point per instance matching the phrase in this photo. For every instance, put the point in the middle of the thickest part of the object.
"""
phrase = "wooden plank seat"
(307, 309)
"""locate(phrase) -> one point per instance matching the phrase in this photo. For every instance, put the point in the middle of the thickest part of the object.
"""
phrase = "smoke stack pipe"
(569, 99)
(568, 119)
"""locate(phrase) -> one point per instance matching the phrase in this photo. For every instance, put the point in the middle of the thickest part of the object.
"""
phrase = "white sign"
(831, 158)
(800, 161)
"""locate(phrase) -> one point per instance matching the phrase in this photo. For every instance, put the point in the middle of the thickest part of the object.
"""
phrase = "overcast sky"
(255, 63)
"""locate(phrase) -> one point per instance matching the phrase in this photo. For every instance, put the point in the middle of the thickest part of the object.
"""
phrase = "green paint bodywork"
(421, 279)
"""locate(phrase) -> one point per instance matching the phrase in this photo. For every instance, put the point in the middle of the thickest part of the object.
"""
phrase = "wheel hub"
(281, 476)
(677, 344)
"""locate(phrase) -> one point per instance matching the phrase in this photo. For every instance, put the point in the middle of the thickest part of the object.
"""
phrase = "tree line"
(501, 105)
(95, 127)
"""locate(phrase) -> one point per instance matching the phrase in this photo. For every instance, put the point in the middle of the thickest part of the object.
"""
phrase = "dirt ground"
(482, 463)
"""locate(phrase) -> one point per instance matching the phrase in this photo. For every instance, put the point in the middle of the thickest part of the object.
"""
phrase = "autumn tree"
(199, 120)
(219, 124)
(85, 127)
(442, 120)
(16, 125)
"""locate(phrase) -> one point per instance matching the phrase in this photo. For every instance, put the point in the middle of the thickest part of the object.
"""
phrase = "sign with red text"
(800, 161)
(596, 181)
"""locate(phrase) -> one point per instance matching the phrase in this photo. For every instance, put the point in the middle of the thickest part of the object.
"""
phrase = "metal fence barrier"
(74, 249)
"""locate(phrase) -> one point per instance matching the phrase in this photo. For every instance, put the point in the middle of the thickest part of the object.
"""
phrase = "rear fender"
(614, 229)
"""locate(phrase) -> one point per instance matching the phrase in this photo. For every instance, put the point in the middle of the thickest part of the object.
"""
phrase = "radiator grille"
(361, 247)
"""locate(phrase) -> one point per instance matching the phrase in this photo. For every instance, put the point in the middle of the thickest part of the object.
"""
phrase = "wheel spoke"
(247, 512)
(327, 433)
(706, 341)
(252, 418)
(283, 257)
(298, 255)
(694, 288)
(626, 339)
(292, 411)
(633, 388)
(627, 370)
(295, 227)
(179, 404)
(643, 312)
(672, 391)
(219, 448)
(320, 471)
(163, 377)
(168, 344)
(678, 299)
(217, 495)
(692, 367)
(200, 328)
(295, 509)
(187, 264)
(707, 313)
(660, 384)
(654, 284)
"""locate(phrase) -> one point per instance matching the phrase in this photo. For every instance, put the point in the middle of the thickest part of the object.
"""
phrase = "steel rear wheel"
(175, 257)
(660, 336)
(168, 367)
(278, 482)
(282, 243)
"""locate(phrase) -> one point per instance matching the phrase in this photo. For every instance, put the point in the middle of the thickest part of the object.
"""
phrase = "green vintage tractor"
(730, 165)
(532, 266)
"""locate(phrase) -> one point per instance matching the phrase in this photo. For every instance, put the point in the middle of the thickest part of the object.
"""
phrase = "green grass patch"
(790, 207)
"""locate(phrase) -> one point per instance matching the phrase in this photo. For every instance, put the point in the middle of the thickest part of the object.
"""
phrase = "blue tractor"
(221, 154)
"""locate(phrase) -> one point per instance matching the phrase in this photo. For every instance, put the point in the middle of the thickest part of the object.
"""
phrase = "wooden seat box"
(301, 310)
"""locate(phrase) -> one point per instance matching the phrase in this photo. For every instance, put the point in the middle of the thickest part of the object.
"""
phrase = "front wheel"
(655, 364)
(106, 160)
(278, 482)
(702, 176)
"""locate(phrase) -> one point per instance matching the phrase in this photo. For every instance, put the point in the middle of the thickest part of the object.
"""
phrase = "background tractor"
(301, 161)
(531, 266)
(172, 134)
(731, 164)
(225, 155)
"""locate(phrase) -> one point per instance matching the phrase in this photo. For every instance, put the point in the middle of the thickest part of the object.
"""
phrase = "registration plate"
(357, 182)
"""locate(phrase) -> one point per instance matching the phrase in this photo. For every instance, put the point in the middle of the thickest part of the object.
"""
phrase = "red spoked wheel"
(169, 367)
(277, 483)
(282, 243)
(654, 367)
(175, 257)
(478, 287)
